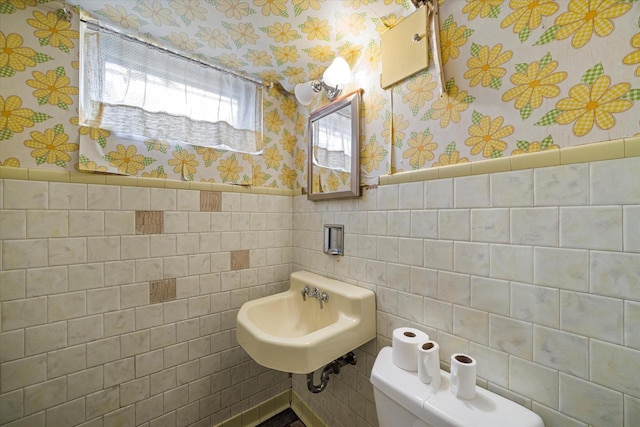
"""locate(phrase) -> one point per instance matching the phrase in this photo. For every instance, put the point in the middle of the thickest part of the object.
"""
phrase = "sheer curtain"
(142, 92)
(333, 146)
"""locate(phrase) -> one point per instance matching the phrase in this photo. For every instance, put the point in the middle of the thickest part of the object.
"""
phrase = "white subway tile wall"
(536, 273)
(81, 343)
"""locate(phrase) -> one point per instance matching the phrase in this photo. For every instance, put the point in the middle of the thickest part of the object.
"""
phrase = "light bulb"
(338, 73)
(305, 93)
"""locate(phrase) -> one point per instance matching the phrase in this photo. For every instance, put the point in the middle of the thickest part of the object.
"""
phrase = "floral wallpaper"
(521, 76)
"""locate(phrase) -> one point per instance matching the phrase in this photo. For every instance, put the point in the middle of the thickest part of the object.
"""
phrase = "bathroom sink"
(289, 334)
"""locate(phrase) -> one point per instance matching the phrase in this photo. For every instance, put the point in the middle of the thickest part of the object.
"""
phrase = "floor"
(286, 418)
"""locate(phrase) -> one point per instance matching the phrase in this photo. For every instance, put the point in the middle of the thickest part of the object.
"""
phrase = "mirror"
(334, 149)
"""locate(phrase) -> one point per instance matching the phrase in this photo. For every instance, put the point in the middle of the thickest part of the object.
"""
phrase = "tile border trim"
(50, 175)
(607, 150)
(261, 412)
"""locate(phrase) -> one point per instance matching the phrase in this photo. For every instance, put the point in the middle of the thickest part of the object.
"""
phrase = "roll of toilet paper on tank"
(429, 364)
(404, 348)
(463, 376)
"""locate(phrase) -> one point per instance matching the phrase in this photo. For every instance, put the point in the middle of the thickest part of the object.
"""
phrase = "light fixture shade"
(305, 93)
(338, 73)
(289, 87)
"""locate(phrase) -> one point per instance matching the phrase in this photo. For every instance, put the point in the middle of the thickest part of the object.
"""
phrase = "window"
(140, 91)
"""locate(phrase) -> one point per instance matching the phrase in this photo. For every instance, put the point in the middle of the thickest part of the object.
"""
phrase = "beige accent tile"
(491, 166)
(119, 372)
(240, 260)
(632, 146)
(25, 194)
(40, 339)
(179, 185)
(66, 361)
(24, 254)
(559, 350)
(535, 304)
(540, 159)
(102, 402)
(512, 336)
(7, 172)
(210, 201)
(79, 384)
(23, 313)
(424, 175)
(162, 291)
(149, 222)
(534, 381)
(589, 402)
(44, 395)
(592, 152)
(49, 223)
(11, 345)
(561, 185)
(625, 173)
(451, 171)
(591, 227)
(88, 178)
(21, 373)
(150, 182)
(592, 316)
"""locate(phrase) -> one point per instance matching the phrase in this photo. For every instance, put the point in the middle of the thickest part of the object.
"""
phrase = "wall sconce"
(333, 79)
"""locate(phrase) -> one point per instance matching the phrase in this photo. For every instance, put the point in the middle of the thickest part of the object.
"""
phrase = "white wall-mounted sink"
(285, 333)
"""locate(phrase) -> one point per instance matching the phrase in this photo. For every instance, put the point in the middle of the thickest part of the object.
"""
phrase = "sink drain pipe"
(331, 368)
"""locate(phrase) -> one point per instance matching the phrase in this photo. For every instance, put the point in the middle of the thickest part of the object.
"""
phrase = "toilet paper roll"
(405, 347)
(463, 376)
(429, 364)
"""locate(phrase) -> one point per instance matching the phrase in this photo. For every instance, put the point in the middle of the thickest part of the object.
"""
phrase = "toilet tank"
(400, 394)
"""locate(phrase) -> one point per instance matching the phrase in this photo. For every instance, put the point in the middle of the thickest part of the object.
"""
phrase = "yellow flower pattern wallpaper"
(520, 76)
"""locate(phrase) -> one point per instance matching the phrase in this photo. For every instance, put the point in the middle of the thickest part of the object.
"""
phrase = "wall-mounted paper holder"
(333, 239)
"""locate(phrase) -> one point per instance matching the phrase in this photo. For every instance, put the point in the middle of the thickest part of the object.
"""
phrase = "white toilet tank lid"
(440, 407)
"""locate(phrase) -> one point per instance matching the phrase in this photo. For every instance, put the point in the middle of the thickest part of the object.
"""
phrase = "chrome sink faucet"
(323, 297)
(304, 293)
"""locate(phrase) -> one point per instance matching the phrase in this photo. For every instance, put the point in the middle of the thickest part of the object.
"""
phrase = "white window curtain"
(333, 146)
(142, 92)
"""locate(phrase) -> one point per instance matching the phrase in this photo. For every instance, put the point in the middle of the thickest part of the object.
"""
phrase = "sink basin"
(285, 333)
